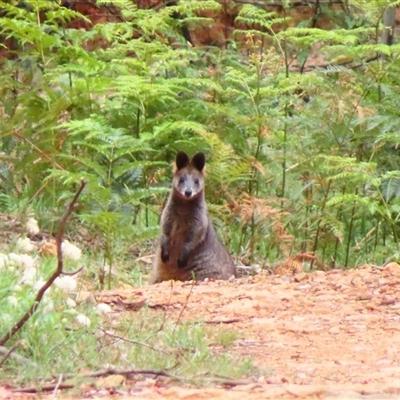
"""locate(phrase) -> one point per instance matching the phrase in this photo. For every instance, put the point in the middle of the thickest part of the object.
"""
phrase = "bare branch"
(107, 333)
(112, 371)
(53, 277)
(222, 321)
(72, 273)
(47, 388)
(185, 305)
(41, 152)
(9, 353)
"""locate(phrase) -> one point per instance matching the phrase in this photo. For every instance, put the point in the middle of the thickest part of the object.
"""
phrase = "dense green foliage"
(299, 158)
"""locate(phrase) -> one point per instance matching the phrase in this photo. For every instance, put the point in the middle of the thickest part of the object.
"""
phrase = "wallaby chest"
(184, 222)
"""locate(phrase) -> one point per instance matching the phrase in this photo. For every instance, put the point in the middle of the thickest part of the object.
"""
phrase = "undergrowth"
(298, 124)
(72, 331)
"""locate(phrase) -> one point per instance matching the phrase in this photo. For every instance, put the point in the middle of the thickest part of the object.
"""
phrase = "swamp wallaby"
(189, 247)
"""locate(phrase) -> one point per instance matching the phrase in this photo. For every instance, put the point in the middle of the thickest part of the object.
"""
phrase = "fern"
(301, 156)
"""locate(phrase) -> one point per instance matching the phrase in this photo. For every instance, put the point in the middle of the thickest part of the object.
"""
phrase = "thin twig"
(383, 266)
(72, 273)
(57, 386)
(112, 371)
(222, 321)
(231, 383)
(53, 277)
(223, 380)
(163, 306)
(47, 388)
(291, 393)
(9, 353)
(41, 152)
(33, 197)
(184, 306)
(13, 222)
(132, 341)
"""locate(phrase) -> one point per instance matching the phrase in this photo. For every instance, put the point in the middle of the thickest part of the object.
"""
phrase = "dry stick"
(184, 306)
(222, 321)
(9, 353)
(133, 371)
(223, 380)
(53, 277)
(72, 273)
(33, 197)
(40, 151)
(231, 382)
(13, 222)
(57, 386)
(166, 305)
(43, 154)
(47, 388)
(98, 374)
(112, 371)
(106, 333)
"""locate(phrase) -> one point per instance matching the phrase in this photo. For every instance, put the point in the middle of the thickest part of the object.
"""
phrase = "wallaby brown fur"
(189, 247)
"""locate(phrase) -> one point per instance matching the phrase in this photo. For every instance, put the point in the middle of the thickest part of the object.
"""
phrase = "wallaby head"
(188, 182)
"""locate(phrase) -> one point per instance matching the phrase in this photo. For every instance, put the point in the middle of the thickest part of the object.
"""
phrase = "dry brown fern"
(256, 210)
(294, 265)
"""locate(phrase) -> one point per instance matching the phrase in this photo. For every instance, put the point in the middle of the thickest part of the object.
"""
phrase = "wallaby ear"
(182, 159)
(198, 161)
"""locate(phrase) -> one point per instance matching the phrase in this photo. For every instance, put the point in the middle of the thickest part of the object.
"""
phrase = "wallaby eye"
(196, 181)
(182, 179)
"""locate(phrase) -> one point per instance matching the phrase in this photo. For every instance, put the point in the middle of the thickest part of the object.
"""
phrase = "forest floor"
(321, 335)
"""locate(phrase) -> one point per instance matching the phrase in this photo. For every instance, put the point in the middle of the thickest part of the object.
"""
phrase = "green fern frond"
(122, 4)
(251, 15)
(337, 228)
(390, 186)
(342, 37)
(348, 199)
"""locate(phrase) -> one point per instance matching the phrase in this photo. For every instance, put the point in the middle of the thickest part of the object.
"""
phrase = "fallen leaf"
(110, 381)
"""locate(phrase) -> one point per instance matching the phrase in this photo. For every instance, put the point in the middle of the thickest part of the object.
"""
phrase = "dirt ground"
(323, 335)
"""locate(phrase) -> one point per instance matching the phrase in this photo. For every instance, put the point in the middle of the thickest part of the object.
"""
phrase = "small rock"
(334, 330)
(83, 320)
(32, 226)
(103, 308)
(364, 296)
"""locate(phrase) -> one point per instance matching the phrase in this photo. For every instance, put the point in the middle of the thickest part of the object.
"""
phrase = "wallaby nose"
(188, 192)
